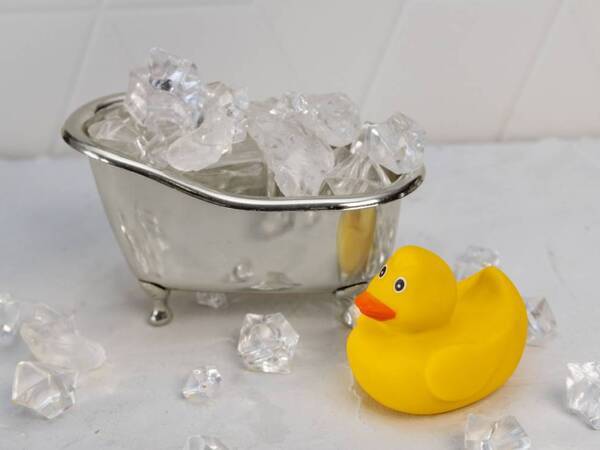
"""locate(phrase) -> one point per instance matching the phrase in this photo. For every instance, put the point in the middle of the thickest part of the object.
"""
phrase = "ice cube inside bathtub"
(171, 120)
(333, 117)
(167, 91)
(356, 174)
(267, 343)
(396, 144)
(298, 159)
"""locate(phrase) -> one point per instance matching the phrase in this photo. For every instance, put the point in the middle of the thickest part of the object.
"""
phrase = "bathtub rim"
(75, 135)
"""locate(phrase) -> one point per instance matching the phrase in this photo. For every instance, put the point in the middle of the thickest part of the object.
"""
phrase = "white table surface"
(536, 203)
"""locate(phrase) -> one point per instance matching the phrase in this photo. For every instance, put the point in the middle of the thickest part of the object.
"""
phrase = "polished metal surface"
(161, 313)
(178, 234)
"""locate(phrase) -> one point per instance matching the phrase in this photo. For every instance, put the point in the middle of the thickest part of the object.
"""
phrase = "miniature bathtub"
(177, 234)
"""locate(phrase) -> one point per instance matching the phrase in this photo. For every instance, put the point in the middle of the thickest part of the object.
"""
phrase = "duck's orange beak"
(373, 308)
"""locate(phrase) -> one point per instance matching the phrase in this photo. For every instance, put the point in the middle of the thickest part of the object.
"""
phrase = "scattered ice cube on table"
(267, 343)
(213, 299)
(43, 388)
(53, 339)
(165, 93)
(541, 321)
(202, 383)
(299, 160)
(396, 144)
(203, 443)
(333, 117)
(583, 392)
(482, 433)
(473, 260)
(10, 316)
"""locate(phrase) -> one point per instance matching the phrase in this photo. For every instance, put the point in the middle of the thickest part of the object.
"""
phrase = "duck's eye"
(382, 271)
(399, 285)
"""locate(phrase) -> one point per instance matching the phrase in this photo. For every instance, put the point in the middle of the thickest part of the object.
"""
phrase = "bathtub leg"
(161, 314)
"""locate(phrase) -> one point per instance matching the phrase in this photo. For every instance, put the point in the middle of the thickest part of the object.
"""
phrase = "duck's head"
(414, 291)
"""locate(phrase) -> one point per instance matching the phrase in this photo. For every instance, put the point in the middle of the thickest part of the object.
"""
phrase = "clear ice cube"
(356, 174)
(118, 129)
(43, 388)
(241, 171)
(474, 259)
(228, 104)
(10, 316)
(333, 117)
(53, 339)
(165, 93)
(583, 392)
(396, 144)
(298, 159)
(541, 321)
(214, 300)
(203, 443)
(482, 433)
(224, 124)
(204, 382)
(201, 147)
(267, 343)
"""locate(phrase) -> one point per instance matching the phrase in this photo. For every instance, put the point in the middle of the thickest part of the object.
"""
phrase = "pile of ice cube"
(47, 384)
(307, 144)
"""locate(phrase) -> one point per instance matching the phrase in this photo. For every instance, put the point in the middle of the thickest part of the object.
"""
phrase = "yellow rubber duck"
(426, 344)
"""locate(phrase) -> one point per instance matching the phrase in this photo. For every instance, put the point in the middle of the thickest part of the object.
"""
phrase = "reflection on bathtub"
(274, 281)
(275, 223)
(385, 239)
(146, 240)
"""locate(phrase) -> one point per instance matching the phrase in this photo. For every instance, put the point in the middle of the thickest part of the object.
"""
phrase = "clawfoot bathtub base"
(161, 313)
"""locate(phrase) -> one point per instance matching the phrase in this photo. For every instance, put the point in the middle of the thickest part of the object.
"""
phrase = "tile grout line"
(383, 51)
(77, 71)
(181, 4)
(501, 134)
(189, 4)
(274, 33)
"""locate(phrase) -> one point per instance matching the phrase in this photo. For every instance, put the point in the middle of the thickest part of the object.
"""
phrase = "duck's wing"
(457, 372)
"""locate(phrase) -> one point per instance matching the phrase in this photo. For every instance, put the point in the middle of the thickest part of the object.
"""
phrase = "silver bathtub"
(177, 234)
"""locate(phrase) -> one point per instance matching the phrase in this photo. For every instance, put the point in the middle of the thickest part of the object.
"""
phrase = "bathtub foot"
(161, 314)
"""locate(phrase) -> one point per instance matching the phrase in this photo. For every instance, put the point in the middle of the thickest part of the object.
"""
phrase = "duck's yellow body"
(426, 344)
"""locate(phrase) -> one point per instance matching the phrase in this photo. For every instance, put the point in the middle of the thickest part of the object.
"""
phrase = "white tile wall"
(467, 70)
